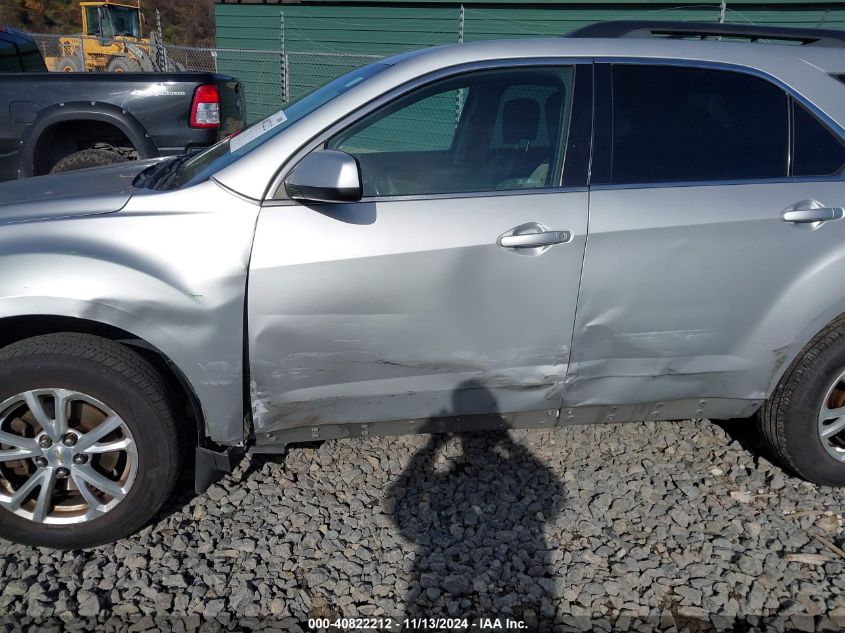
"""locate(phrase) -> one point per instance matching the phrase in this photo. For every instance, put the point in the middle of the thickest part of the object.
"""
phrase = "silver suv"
(527, 233)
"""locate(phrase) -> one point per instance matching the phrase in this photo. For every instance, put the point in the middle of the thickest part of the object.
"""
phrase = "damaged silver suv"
(619, 225)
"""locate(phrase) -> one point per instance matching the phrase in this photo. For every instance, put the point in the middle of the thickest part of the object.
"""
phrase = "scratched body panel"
(379, 311)
(701, 291)
(169, 268)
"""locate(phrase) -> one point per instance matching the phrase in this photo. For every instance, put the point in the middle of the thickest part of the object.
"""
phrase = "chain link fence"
(271, 78)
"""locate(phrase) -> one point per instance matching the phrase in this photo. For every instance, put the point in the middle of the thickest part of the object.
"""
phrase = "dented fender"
(170, 268)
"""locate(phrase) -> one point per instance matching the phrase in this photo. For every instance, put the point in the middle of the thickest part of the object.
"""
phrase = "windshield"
(227, 151)
(124, 21)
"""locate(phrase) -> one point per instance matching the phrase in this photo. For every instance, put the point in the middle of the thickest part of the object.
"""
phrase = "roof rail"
(705, 30)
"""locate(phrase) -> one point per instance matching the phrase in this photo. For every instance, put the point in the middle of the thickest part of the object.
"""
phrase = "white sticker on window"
(259, 129)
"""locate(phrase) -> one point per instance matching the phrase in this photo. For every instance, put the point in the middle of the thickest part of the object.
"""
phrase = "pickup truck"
(57, 122)
(531, 233)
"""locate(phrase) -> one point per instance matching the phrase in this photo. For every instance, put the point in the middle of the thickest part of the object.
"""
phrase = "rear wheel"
(88, 446)
(85, 158)
(804, 421)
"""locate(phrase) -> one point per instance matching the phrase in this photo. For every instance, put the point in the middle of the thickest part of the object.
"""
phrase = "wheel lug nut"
(69, 439)
(62, 472)
(81, 458)
(41, 462)
(45, 442)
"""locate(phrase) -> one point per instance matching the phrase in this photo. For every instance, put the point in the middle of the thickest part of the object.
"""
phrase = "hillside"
(188, 22)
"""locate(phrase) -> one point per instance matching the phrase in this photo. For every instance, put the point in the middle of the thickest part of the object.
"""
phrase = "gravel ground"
(652, 525)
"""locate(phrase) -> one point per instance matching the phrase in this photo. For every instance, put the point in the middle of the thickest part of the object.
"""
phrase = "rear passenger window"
(30, 57)
(9, 62)
(675, 124)
(18, 54)
(818, 152)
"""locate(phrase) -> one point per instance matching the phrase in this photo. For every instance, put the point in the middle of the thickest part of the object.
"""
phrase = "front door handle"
(533, 240)
(809, 211)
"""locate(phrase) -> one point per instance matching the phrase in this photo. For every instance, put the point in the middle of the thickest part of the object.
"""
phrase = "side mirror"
(325, 176)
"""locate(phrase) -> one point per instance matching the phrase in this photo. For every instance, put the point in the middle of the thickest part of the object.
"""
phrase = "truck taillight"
(205, 109)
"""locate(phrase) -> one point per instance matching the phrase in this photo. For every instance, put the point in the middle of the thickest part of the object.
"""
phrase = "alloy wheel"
(831, 423)
(65, 457)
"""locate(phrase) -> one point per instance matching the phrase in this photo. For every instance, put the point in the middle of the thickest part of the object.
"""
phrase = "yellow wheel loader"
(111, 40)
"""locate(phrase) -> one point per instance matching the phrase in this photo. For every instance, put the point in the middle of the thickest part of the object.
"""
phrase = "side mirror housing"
(325, 176)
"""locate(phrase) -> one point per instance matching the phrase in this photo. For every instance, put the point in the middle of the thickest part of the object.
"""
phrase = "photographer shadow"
(474, 505)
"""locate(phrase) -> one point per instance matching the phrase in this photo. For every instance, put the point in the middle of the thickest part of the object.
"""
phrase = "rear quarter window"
(9, 61)
(818, 151)
(19, 54)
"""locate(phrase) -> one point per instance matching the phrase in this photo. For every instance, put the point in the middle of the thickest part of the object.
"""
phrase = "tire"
(86, 158)
(123, 65)
(113, 377)
(789, 420)
(69, 65)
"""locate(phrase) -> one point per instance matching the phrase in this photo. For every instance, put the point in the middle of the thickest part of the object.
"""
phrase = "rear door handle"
(809, 211)
(533, 240)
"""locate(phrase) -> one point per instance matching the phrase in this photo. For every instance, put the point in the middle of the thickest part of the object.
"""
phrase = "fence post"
(162, 49)
(284, 57)
(81, 54)
(459, 95)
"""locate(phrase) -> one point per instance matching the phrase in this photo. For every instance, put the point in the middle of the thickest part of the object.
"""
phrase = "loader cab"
(109, 20)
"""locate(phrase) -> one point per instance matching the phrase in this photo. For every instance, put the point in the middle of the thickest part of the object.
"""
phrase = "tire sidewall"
(85, 159)
(123, 65)
(800, 426)
(145, 424)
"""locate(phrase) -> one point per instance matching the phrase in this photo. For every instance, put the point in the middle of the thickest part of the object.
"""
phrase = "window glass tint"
(818, 152)
(19, 54)
(482, 131)
(688, 124)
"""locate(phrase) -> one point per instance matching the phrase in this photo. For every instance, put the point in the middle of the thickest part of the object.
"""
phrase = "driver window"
(483, 131)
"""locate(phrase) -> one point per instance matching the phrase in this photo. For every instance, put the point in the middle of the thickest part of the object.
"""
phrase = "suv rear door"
(695, 280)
(409, 304)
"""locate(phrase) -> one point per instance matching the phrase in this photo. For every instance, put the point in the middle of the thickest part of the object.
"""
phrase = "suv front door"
(429, 297)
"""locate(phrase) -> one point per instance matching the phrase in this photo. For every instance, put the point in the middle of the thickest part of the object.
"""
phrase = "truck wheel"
(803, 422)
(88, 445)
(123, 65)
(69, 65)
(86, 158)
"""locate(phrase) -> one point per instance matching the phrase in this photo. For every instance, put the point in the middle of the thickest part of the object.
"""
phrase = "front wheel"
(69, 65)
(123, 65)
(803, 422)
(88, 445)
